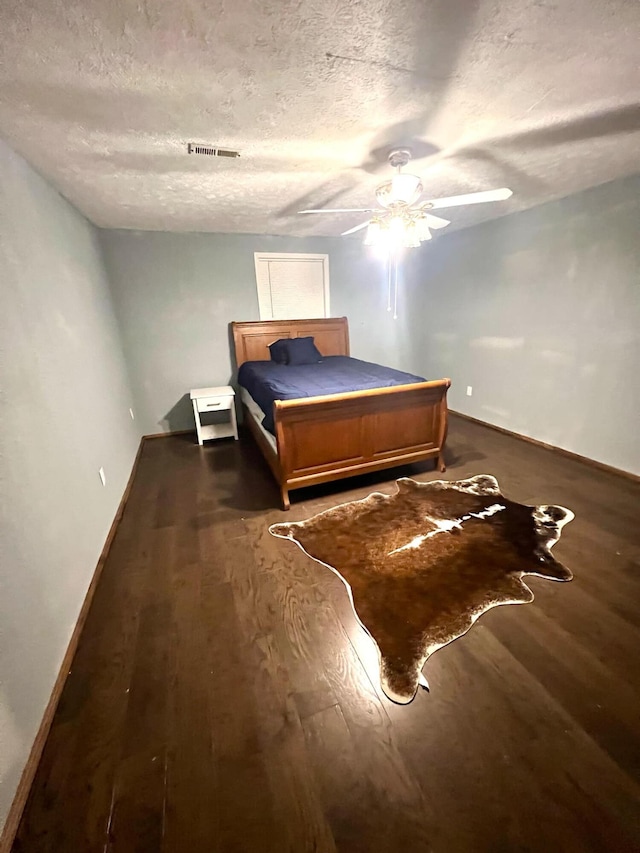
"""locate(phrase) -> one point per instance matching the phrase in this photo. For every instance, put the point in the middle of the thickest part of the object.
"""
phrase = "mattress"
(267, 381)
(257, 414)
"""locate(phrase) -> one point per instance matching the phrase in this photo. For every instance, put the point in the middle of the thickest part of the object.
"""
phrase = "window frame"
(260, 257)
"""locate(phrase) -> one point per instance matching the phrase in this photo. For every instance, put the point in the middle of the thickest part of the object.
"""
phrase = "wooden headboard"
(251, 340)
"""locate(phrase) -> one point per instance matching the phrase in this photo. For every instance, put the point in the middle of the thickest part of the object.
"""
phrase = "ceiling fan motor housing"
(403, 189)
(399, 157)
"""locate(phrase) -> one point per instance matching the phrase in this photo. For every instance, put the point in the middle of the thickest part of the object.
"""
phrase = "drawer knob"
(212, 405)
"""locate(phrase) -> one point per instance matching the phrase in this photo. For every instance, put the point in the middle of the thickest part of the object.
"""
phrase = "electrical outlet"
(469, 391)
(133, 417)
(102, 476)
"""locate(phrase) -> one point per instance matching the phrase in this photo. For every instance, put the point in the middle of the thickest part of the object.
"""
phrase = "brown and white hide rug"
(423, 564)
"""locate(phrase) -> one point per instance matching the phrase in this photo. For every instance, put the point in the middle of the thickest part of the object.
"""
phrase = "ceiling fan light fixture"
(405, 188)
(422, 227)
(396, 225)
(411, 237)
(399, 230)
(373, 233)
(393, 232)
(401, 191)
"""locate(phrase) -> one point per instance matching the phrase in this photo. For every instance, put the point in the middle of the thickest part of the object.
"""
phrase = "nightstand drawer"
(214, 404)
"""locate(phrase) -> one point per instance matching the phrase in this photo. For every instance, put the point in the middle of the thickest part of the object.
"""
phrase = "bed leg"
(284, 498)
(440, 464)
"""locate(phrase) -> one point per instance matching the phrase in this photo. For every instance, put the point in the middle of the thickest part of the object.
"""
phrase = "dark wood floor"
(224, 698)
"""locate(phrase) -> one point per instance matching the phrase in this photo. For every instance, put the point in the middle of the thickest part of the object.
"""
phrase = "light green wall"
(540, 313)
(64, 412)
(175, 295)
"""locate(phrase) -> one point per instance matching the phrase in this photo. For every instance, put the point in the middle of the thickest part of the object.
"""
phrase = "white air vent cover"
(211, 150)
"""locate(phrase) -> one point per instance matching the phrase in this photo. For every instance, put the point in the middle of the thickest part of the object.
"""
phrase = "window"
(292, 286)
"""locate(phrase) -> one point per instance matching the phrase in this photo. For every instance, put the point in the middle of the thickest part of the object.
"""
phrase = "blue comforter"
(267, 381)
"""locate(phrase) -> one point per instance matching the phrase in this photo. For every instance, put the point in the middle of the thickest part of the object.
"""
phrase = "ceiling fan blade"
(341, 210)
(470, 198)
(357, 228)
(436, 222)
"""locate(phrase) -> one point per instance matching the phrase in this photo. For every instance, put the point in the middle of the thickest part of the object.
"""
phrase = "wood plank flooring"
(224, 698)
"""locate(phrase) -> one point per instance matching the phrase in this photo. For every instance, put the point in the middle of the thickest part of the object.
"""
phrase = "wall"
(540, 313)
(64, 401)
(175, 295)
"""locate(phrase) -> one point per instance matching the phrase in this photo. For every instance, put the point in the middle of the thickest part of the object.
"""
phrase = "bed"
(322, 438)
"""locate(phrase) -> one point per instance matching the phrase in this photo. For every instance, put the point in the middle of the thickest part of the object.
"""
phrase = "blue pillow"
(278, 350)
(302, 351)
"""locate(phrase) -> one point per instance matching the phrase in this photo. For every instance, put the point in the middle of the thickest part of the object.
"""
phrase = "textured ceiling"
(101, 96)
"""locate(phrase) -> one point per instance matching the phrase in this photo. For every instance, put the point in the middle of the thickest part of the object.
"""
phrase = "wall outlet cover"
(133, 417)
(469, 390)
(102, 476)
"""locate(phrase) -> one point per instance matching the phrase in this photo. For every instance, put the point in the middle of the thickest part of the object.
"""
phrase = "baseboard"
(14, 816)
(167, 435)
(568, 453)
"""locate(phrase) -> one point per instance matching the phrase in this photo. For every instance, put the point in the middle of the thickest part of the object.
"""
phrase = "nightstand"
(219, 399)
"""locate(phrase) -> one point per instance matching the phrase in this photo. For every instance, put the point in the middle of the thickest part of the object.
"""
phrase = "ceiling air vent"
(211, 150)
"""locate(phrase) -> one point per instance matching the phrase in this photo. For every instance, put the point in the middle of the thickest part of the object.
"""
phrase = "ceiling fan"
(402, 220)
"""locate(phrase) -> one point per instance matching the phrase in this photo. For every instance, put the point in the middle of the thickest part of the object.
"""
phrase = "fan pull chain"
(395, 289)
(389, 283)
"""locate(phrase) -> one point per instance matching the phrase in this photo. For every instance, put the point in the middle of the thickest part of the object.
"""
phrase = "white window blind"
(292, 286)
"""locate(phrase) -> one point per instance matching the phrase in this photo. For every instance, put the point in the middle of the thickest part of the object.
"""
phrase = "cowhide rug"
(423, 564)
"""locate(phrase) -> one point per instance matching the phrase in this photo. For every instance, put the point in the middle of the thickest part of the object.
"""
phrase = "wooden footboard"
(340, 435)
